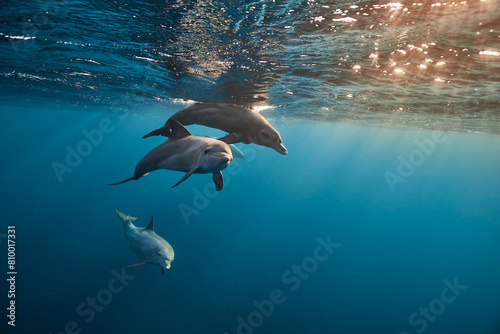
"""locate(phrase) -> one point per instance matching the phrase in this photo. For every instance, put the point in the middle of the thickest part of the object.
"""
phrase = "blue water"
(384, 217)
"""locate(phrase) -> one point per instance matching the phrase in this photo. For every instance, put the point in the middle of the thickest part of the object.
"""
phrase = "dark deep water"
(384, 217)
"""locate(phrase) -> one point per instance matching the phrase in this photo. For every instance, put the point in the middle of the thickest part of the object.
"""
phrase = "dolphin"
(146, 244)
(186, 153)
(242, 124)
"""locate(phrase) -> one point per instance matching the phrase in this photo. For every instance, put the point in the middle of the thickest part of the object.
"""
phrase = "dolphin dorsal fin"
(178, 130)
(151, 226)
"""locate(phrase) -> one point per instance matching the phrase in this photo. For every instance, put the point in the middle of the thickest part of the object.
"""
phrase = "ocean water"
(384, 217)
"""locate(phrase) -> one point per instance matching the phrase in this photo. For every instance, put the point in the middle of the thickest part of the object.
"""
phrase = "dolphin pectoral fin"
(188, 174)
(162, 270)
(231, 138)
(125, 217)
(218, 180)
(236, 152)
(140, 262)
(123, 181)
(164, 131)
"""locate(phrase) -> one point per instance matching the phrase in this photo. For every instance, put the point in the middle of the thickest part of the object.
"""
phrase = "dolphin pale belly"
(146, 244)
(242, 124)
(186, 153)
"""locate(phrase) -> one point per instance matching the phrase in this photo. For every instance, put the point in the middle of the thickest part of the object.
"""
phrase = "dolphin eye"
(265, 135)
(208, 149)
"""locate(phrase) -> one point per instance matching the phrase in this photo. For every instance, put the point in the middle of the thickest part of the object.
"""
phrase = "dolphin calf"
(186, 153)
(146, 244)
(242, 124)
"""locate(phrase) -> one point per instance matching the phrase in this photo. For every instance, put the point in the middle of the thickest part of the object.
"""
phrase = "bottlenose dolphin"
(186, 153)
(242, 124)
(146, 244)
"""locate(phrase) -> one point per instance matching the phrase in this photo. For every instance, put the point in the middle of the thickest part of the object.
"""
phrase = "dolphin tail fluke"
(164, 131)
(123, 181)
(125, 217)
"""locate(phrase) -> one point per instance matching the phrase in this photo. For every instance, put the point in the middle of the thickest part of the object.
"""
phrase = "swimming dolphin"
(241, 124)
(146, 244)
(186, 153)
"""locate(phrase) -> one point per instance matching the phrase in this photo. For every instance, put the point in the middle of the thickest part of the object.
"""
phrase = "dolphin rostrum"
(242, 124)
(186, 153)
(146, 244)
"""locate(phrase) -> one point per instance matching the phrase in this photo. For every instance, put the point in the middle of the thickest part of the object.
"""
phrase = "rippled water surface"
(424, 64)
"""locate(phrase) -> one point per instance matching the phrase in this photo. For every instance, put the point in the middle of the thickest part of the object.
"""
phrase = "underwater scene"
(240, 167)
